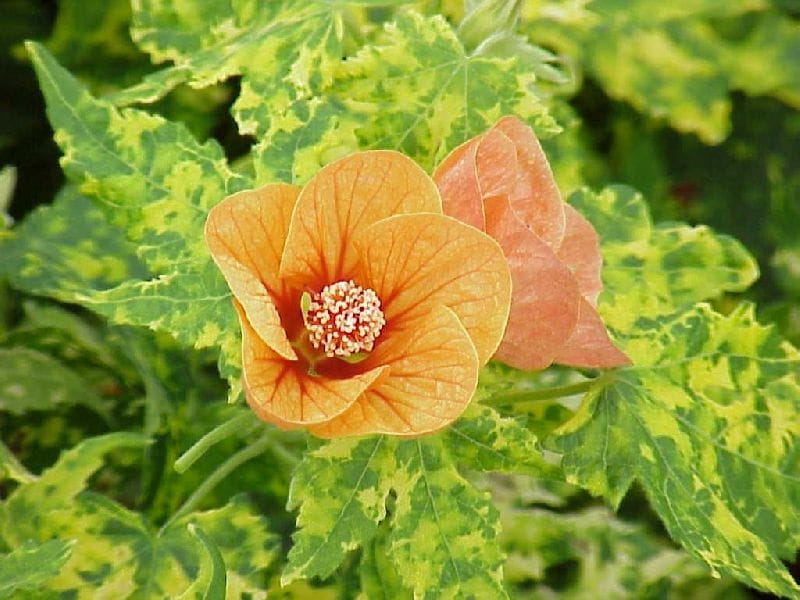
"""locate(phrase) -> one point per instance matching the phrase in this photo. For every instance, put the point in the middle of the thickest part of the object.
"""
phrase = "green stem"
(518, 396)
(216, 435)
(15, 469)
(221, 472)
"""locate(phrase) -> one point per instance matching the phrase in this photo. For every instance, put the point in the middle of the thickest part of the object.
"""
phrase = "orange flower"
(501, 183)
(363, 308)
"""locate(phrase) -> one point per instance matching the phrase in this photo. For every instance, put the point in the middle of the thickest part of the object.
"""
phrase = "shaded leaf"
(484, 440)
(118, 552)
(622, 559)
(57, 486)
(678, 61)
(93, 41)
(66, 247)
(210, 580)
(33, 381)
(707, 422)
(378, 576)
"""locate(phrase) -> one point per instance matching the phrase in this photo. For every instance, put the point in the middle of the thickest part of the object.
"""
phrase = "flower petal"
(283, 393)
(545, 296)
(245, 234)
(418, 262)
(342, 199)
(457, 180)
(535, 198)
(580, 251)
(433, 373)
(589, 344)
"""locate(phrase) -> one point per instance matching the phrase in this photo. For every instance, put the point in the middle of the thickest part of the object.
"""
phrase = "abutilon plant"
(399, 347)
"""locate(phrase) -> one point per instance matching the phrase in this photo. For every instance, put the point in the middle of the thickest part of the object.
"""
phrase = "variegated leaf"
(652, 270)
(424, 94)
(707, 422)
(117, 552)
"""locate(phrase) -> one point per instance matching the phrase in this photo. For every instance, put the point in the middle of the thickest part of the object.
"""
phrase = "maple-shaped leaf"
(284, 50)
(424, 94)
(311, 133)
(153, 178)
(117, 552)
(444, 532)
(442, 536)
(651, 270)
(707, 422)
(155, 183)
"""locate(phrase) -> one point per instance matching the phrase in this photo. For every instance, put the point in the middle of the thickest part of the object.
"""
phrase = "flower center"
(344, 319)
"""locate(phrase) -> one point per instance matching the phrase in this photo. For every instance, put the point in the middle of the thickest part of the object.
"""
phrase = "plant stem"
(517, 396)
(219, 433)
(221, 472)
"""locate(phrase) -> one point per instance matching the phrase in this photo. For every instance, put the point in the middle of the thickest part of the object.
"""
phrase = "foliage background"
(695, 104)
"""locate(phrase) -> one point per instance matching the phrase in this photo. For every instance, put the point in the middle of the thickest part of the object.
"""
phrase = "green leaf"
(763, 63)
(210, 581)
(8, 180)
(58, 486)
(424, 94)
(484, 440)
(444, 536)
(11, 468)
(92, 40)
(195, 307)
(67, 247)
(378, 576)
(310, 134)
(707, 422)
(601, 552)
(284, 50)
(680, 61)
(242, 536)
(33, 381)
(31, 565)
(118, 552)
(73, 338)
(654, 270)
(341, 490)
(443, 532)
(155, 180)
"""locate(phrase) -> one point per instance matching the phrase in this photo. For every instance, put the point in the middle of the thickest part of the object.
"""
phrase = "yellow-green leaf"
(652, 270)
(424, 94)
(707, 422)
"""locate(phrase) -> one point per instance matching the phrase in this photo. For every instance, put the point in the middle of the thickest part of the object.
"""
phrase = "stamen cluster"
(344, 319)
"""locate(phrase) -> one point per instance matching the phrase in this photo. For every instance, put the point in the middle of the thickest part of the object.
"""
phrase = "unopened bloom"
(500, 182)
(363, 308)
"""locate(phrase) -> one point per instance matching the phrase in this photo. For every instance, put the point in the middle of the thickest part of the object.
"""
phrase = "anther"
(344, 319)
